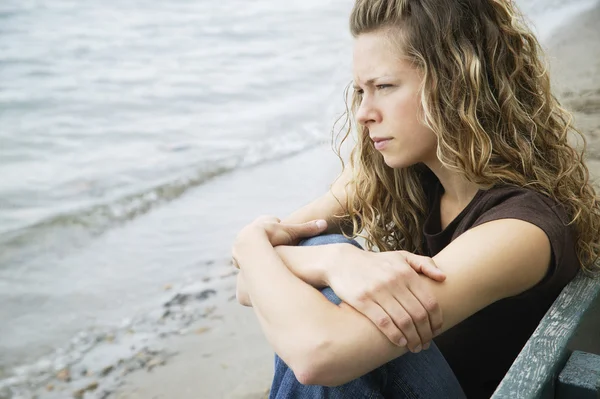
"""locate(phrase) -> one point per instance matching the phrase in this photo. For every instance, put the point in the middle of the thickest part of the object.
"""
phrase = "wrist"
(326, 266)
(322, 269)
(246, 241)
(306, 263)
(329, 267)
(345, 255)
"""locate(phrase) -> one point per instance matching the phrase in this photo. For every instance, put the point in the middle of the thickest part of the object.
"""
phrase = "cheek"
(418, 135)
(407, 110)
(430, 139)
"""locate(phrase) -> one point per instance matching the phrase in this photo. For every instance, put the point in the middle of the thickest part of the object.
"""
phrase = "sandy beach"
(219, 351)
(232, 359)
(198, 342)
(574, 55)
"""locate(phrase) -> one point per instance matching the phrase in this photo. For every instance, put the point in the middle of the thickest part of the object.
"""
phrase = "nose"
(367, 113)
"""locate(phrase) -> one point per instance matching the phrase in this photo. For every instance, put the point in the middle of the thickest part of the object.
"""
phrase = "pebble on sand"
(64, 375)
(202, 330)
(79, 394)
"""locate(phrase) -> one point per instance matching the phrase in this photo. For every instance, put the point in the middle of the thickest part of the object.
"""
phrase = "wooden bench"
(551, 364)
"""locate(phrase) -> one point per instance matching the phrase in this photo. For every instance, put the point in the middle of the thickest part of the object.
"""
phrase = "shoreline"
(201, 343)
(201, 312)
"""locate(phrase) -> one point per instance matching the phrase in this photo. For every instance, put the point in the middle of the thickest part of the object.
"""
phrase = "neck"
(457, 189)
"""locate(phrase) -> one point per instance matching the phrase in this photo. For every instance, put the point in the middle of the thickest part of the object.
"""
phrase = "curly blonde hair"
(486, 95)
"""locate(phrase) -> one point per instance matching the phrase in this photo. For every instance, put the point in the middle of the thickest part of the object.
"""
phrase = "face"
(391, 102)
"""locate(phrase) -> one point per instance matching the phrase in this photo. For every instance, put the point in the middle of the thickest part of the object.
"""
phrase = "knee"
(331, 296)
(328, 239)
(325, 240)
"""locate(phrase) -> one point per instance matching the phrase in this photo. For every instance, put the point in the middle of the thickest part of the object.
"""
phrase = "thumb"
(308, 229)
(426, 266)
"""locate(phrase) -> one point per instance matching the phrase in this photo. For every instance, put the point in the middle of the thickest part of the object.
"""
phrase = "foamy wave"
(96, 219)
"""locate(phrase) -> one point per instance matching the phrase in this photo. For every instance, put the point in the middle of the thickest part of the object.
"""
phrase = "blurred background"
(136, 138)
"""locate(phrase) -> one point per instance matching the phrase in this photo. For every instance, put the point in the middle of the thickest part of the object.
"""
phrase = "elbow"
(305, 376)
(314, 374)
(315, 365)
(315, 378)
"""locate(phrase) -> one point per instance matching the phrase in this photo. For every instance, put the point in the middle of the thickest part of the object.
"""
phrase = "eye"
(383, 86)
(359, 91)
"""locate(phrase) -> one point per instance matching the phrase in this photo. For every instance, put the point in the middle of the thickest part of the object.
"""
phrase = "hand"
(386, 288)
(277, 233)
(288, 234)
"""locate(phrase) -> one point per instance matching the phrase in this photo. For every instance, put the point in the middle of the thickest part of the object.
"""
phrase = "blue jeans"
(414, 375)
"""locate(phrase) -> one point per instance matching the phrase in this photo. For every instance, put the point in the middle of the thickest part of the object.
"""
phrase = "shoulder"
(503, 201)
(535, 208)
(511, 202)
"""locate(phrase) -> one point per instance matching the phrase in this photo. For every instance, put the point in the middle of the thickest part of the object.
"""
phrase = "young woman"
(463, 179)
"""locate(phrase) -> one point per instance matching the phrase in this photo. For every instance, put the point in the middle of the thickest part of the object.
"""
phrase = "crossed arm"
(329, 345)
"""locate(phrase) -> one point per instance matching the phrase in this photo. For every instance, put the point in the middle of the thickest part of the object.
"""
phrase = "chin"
(396, 162)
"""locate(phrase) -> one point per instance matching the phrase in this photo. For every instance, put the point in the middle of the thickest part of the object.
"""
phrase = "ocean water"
(112, 110)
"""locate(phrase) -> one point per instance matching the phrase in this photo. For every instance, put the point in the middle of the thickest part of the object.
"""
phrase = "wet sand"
(196, 332)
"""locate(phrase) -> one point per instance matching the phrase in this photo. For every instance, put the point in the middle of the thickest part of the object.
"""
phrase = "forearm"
(293, 315)
(322, 343)
(311, 264)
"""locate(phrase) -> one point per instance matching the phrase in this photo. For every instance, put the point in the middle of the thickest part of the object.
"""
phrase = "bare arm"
(328, 206)
(307, 263)
(312, 335)
(241, 293)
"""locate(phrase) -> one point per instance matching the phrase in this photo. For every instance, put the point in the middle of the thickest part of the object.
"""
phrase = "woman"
(464, 180)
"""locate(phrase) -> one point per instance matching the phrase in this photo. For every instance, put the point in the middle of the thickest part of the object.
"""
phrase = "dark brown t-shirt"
(481, 349)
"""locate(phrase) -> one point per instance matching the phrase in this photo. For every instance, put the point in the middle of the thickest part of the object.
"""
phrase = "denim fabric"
(413, 375)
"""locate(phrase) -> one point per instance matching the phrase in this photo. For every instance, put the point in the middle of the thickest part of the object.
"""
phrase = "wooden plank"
(580, 378)
(533, 373)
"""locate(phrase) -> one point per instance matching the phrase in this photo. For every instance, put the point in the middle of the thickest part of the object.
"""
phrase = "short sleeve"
(537, 209)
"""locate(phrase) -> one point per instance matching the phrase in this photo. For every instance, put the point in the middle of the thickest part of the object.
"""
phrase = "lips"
(381, 142)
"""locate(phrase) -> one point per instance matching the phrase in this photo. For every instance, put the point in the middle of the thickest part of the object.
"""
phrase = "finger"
(425, 265)
(419, 318)
(404, 321)
(382, 321)
(417, 307)
(429, 303)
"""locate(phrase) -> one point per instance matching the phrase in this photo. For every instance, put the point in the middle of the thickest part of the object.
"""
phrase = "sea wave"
(79, 224)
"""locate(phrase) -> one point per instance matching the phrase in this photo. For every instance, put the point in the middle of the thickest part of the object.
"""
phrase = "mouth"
(381, 142)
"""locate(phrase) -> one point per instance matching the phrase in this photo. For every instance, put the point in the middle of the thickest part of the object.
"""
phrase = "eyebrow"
(368, 82)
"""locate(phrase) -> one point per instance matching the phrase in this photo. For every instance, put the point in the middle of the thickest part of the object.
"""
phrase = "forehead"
(376, 55)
